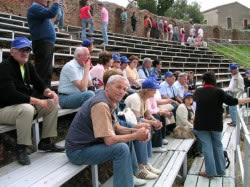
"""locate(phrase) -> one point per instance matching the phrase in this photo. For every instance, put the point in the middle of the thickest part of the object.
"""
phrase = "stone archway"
(216, 34)
(235, 36)
(118, 12)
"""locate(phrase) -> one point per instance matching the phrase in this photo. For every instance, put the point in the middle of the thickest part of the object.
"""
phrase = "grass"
(239, 54)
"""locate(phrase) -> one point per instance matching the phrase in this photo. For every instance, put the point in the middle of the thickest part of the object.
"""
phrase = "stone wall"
(72, 7)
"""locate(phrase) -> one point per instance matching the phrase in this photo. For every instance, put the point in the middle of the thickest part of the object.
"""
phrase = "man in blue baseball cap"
(116, 62)
(167, 90)
(18, 106)
(236, 86)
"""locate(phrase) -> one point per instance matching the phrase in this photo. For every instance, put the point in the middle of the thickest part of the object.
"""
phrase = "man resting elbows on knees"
(17, 107)
(96, 137)
(75, 80)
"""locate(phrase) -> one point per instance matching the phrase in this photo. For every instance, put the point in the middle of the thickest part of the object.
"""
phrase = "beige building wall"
(234, 11)
(211, 17)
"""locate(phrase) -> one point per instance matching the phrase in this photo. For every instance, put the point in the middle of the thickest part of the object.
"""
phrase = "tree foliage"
(188, 12)
(163, 5)
(149, 5)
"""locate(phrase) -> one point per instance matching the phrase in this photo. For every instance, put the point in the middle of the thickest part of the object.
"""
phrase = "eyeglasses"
(26, 49)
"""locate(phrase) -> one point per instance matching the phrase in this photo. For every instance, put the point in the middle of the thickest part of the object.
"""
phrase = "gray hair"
(181, 75)
(79, 50)
(146, 60)
(112, 79)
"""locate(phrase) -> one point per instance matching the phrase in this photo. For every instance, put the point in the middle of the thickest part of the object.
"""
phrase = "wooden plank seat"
(229, 144)
(46, 169)
(169, 163)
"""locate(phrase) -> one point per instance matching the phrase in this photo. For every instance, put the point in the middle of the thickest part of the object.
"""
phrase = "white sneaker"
(143, 173)
(150, 168)
(139, 182)
(165, 142)
(158, 150)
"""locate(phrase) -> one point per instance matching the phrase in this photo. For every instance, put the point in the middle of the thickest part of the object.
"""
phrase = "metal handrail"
(242, 163)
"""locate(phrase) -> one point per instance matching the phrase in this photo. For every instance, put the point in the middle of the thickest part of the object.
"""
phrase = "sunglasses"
(26, 49)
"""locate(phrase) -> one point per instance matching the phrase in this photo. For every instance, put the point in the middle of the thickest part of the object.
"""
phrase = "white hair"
(146, 60)
(181, 75)
(112, 79)
(80, 50)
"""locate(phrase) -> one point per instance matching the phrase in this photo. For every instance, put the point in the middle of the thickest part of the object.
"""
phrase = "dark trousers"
(157, 134)
(43, 52)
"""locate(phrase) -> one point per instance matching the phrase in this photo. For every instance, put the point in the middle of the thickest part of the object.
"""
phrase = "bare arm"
(243, 101)
(83, 84)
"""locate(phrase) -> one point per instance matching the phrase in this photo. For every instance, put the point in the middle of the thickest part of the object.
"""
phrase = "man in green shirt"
(124, 21)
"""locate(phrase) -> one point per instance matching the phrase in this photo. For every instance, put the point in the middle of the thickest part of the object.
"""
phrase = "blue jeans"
(60, 18)
(233, 113)
(212, 150)
(75, 100)
(100, 153)
(84, 25)
(143, 151)
(105, 32)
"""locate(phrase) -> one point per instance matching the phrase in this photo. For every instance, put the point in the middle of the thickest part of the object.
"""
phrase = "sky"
(205, 4)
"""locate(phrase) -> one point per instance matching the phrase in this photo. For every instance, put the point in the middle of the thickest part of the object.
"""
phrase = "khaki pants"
(22, 116)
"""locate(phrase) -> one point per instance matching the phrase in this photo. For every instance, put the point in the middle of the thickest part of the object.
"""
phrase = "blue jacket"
(39, 22)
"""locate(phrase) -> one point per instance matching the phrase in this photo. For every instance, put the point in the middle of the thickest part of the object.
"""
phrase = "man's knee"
(122, 149)
(26, 110)
(53, 106)
(90, 94)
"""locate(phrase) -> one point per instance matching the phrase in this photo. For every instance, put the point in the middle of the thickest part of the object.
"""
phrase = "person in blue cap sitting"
(236, 86)
(116, 62)
(18, 78)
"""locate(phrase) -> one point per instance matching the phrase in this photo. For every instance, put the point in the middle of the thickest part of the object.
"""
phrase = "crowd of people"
(126, 111)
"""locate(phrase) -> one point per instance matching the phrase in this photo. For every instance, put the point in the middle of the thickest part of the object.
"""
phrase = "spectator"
(43, 36)
(104, 20)
(192, 32)
(96, 73)
(208, 123)
(124, 20)
(138, 103)
(191, 82)
(90, 45)
(75, 80)
(176, 74)
(156, 69)
(181, 86)
(176, 33)
(165, 26)
(132, 74)
(60, 16)
(161, 29)
(133, 22)
(116, 62)
(147, 25)
(167, 90)
(200, 33)
(94, 138)
(154, 30)
(247, 82)
(144, 71)
(18, 107)
(170, 31)
(236, 87)
(87, 19)
(124, 63)
(182, 35)
(191, 41)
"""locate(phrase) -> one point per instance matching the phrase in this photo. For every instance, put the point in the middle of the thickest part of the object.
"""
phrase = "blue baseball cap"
(116, 57)
(247, 72)
(150, 83)
(124, 59)
(187, 94)
(233, 67)
(169, 74)
(87, 43)
(21, 42)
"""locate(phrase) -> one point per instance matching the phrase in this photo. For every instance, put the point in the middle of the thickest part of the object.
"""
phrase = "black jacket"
(209, 108)
(15, 90)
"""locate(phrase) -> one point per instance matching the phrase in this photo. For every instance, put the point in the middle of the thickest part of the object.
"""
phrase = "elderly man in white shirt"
(181, 86)
(145, 70)
(236, 86)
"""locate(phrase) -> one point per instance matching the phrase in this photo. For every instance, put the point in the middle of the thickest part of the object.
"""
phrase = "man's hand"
(44, 104)
(51, 94)
(142, 134)
(87, 66)
(156, 124)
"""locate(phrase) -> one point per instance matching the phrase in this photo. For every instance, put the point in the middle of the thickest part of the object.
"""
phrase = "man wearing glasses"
(18, 107)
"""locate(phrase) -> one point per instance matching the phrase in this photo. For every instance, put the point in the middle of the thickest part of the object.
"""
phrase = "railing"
(241, 126)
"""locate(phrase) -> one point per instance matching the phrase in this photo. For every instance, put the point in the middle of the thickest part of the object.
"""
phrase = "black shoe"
(231, 124)
(22, 155)
(49, 147)
(8, 141)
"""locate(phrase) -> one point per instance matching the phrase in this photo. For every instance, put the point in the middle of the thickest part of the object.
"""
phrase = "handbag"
(129, 115)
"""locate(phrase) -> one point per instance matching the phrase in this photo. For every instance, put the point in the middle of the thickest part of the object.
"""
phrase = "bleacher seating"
(174, 57)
